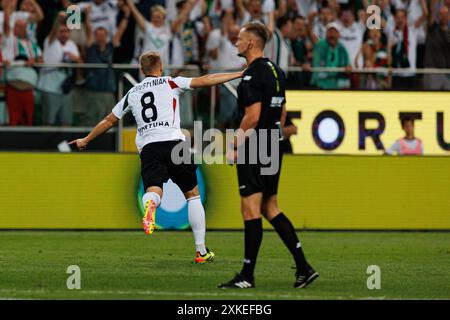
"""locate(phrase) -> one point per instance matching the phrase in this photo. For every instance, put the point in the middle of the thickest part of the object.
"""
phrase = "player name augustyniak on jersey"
(148, 84)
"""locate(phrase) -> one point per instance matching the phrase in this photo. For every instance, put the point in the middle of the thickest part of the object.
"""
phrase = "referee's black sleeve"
(252, 86)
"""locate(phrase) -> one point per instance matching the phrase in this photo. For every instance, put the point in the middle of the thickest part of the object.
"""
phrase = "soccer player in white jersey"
(154, 103)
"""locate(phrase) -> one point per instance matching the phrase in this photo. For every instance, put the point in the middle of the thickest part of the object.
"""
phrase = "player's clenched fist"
(80, 143)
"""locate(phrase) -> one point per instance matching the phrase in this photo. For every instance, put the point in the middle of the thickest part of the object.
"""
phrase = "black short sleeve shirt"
(263, 81)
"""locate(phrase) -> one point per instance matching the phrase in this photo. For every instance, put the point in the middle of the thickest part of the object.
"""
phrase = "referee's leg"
(253, 232)
(287, 233)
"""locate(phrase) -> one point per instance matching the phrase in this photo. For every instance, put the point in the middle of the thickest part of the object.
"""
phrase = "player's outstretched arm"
(214, 78)
(103, 126)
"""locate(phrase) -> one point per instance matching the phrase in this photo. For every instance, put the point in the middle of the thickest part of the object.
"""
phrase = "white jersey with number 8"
(154, 103)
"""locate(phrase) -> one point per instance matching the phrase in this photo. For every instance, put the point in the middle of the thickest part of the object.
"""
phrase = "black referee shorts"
(157, 167)
(251, 181)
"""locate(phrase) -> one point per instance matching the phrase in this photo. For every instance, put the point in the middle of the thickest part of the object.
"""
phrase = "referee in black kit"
(261, 102)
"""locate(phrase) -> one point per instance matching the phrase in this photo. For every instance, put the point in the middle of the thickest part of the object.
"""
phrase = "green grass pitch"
(131, 265)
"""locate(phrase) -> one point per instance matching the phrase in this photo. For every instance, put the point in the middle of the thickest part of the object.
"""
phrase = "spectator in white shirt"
(417, 16)
(307, 8)
(20, 52)
(103, 14)
(189, 27)
(278, 49)
(320, 24)
(221, 50)
(35, 16)
(222, 53)
(156, 32)
(256, 10)
(219, 7)
(402, 39)
(352, 34)
(56, 83)
(101, 82)
(29, 11)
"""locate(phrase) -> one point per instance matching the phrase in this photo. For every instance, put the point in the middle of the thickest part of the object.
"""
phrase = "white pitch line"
(225, 293)
(195, 294)
(192, 294)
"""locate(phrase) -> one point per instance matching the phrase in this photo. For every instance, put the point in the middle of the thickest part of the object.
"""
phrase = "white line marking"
(221, 293)
(231, 293)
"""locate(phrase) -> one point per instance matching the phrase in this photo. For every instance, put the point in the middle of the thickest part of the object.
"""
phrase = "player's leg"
(154, 173)
(151, 200)
(305, 273)
(196, 216)
(185, 176)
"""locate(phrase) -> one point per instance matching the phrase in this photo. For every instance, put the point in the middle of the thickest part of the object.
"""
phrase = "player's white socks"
(196, 215)
(151, 196)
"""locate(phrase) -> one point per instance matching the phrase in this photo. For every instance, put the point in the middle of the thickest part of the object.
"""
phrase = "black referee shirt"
(263, 81)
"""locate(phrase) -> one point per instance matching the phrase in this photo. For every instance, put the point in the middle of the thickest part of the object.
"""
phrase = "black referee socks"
(252, 238)
(287, 233)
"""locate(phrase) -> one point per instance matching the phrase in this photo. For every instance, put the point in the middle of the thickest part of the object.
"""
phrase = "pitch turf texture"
(131, 265)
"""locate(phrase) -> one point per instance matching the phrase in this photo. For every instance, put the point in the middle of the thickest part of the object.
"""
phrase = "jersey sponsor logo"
(150, 83)
(276, 102)
(247, 78)
(152, 125)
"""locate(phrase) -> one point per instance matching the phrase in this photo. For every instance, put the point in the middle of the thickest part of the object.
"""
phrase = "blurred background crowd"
(307, 37)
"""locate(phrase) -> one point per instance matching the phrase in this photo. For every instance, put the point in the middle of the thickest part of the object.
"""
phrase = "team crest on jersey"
(151, 125)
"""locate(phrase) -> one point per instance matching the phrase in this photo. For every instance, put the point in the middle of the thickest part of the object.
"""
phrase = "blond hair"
(150, 61)
(158, 8)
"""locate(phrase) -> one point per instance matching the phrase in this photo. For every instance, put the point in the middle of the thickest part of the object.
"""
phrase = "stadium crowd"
(304, 33)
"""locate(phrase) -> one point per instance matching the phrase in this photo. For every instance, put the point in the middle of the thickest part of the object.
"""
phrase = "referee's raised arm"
(214, 78)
